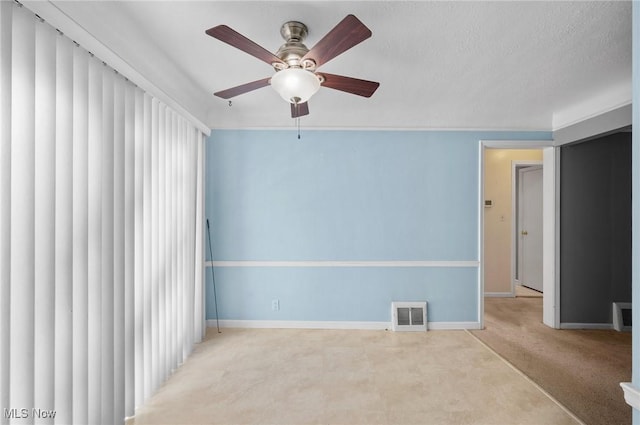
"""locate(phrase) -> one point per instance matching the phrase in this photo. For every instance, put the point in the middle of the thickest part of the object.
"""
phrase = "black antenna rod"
(213, 278)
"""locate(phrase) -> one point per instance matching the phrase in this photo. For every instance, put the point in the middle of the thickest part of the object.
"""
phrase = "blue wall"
(345, 196)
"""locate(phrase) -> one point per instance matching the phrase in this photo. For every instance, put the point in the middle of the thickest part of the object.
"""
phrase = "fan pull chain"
(298, 122)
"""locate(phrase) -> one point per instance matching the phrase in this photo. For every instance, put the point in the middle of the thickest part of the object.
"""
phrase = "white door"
(530, 227)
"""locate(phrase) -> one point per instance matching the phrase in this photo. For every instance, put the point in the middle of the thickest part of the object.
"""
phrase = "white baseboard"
(291, 324)
(631, 394)
(499, 294)
(586, 326)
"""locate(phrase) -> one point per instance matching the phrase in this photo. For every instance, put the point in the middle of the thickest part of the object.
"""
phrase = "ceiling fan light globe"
(295, 85)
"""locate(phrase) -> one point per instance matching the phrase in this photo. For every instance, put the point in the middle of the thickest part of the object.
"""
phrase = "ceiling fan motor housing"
(293, 50)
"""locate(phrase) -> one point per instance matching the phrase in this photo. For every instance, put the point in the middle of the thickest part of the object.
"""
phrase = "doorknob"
(524, 233)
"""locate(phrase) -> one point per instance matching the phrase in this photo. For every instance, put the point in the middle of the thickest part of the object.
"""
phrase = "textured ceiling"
(487, 65)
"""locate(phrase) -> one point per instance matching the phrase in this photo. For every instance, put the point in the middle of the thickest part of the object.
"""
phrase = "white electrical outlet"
(275, 305)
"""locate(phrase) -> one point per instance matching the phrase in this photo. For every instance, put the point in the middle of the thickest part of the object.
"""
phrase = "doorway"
(549, 220)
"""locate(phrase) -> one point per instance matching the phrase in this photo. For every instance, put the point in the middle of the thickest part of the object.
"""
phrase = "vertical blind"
(100, 216)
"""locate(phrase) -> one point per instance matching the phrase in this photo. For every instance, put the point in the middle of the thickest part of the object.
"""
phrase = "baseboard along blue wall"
(372, 196)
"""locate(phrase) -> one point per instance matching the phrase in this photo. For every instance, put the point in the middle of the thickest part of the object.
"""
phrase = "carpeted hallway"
(582, 369)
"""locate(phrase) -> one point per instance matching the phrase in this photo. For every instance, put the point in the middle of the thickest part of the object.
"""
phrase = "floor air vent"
(622, 316)
(409, 316)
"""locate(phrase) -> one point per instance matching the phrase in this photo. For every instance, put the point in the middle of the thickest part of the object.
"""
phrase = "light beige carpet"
(347, 377)
(581, 368)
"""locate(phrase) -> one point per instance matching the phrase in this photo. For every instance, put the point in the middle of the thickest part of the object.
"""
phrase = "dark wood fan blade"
(348, 33)
(350, 85)
(239, 41)
(244, 88)
(299, 110)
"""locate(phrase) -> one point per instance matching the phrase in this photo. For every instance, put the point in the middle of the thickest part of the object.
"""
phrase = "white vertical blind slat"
(5, 200)
(193, 187)
(99, 291)
(173, 360)
(129, 250)
(139, 257)
(155, 266)
(162, 274)
(167, 244)
(186, 345)
(80, 236)
(107, 239)
(187, 242)
(190, 190)
(172, 244)
(63, 366)
(188, 330)
(119, 302)
(95, 258)
(21, 343)
(170, 353)
(186, 311)
(183, 240)
(44, 197)
(198, 308)
(179, 283)
(147, 232)
(169, 249)
(177, 244)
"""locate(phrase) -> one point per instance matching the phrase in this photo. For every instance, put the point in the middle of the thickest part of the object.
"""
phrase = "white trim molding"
(348, 325)
(631, 394)
(516, 144)
(293, 324)
(614, 98)
(551, 236)
(595, 126)
(473, 263)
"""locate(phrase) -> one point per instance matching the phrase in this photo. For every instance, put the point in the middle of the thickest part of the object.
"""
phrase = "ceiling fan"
(296, 79)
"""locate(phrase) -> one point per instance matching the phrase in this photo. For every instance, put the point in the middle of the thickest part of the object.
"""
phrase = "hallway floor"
(582, 369)
(267, 376)
(523, 291)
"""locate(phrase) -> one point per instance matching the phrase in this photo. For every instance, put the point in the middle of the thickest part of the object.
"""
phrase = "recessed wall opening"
(501, 231)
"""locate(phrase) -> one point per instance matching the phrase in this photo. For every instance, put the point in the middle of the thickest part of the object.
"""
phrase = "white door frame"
(550, 199)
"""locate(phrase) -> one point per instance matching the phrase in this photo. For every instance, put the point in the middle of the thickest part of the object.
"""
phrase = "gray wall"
(595, 228)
